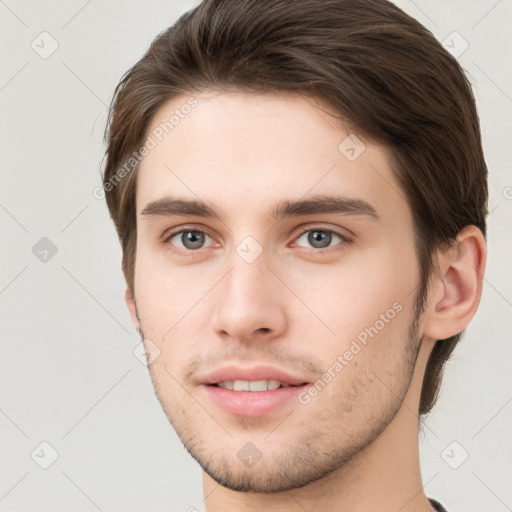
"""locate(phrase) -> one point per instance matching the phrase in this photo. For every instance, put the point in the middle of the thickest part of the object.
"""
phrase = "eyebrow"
(169, 206)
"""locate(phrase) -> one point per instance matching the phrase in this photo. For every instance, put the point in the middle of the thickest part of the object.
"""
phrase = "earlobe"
(458, 286)
(132, 308)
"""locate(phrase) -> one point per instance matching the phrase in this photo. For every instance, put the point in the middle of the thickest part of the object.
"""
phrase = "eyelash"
(312, 252)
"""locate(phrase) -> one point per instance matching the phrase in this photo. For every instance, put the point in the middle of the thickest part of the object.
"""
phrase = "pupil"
(319, 239)
(192, 239)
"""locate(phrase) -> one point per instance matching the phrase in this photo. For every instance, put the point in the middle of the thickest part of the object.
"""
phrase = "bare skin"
(297, 306)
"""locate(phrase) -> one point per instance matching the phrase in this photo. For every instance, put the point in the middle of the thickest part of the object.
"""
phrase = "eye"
(187, 240)
(320, 238)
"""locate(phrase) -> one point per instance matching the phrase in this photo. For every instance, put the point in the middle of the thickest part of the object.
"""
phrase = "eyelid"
(312, 251)
(337, 231)
(169, 233)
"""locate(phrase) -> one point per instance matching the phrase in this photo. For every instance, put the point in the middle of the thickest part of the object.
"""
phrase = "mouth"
(253, 385)
(252, 397)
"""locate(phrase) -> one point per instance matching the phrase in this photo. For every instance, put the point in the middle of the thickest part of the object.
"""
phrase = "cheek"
(165, 291)
(348, 298)
(171, 304)
(367, 365)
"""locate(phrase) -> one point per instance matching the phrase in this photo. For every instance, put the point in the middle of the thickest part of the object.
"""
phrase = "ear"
(132, 308)
(457, 288)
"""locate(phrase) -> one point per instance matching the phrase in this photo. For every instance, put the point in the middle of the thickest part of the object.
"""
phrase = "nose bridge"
(249, 300)
(248, 283)
(248, 261)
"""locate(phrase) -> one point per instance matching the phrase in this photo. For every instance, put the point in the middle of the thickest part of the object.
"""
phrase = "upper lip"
(259, 372)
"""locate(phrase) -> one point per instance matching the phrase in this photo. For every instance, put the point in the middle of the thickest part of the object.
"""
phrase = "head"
(244, 123)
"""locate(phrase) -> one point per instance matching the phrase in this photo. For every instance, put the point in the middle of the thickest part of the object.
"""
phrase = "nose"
(249, 303)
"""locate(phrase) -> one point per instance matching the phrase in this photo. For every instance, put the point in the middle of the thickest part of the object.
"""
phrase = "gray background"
(69, 376)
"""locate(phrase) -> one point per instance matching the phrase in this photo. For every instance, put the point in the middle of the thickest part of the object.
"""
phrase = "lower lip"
(251, 403)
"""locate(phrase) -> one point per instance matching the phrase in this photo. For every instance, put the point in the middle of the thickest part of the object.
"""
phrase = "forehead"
(247, 150)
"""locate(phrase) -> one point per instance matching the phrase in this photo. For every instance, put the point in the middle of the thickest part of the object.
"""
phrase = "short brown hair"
(378, 68)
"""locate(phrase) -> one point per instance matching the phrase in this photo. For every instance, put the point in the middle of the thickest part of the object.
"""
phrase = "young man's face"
(321, 297)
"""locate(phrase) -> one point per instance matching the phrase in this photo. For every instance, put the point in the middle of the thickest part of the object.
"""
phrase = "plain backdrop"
(74, 397)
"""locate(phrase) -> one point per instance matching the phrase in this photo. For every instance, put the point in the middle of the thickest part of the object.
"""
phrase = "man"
(300, 193)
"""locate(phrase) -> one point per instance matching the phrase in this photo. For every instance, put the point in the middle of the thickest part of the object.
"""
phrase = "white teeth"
(253, 385)
(273, 384)
(241, 385)
(258, 385)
